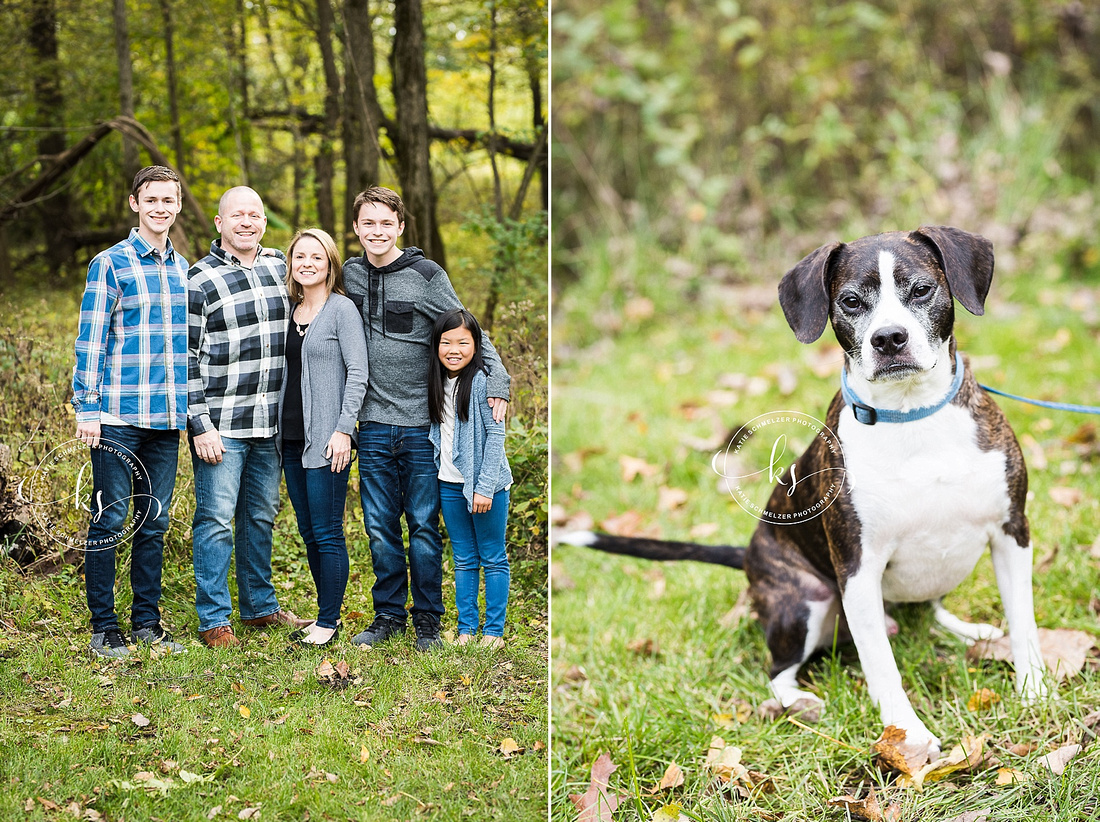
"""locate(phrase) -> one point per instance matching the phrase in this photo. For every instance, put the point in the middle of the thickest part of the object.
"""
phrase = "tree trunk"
(325, 163)
(173, 85)
(298, 161)
(498, 195)
(56, 207)
(362, 113)
(410, 91)
(237, 37)
(125, 86)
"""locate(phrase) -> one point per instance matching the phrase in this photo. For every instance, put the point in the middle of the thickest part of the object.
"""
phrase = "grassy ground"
(649, 661)
(456, 734)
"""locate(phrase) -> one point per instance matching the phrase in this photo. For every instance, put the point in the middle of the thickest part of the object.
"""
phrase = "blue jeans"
(136, 464)
(397, 474)
(235, 505)
(318, 497)
(478, 543)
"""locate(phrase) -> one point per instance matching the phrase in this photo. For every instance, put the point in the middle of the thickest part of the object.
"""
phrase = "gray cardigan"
(334, 376)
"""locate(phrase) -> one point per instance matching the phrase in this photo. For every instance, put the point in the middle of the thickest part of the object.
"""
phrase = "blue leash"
(1057, 406)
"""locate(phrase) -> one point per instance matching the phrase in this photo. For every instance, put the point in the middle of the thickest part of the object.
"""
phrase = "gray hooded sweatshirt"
(399, 304)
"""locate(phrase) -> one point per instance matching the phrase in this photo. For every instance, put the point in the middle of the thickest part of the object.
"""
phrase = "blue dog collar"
(869, 416)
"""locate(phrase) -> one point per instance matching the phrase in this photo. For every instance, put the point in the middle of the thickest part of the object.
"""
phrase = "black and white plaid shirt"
(237, 321)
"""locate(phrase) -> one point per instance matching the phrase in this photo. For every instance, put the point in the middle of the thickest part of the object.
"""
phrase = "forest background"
(700, 150)
(308, 102)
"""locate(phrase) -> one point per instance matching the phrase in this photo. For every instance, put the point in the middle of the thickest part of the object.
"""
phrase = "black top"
(294, 427)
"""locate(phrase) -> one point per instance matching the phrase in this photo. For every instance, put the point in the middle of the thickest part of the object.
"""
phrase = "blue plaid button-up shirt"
(131, 348)
(237, 321)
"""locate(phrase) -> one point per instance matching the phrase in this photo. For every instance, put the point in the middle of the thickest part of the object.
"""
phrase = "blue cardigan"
(478, 451)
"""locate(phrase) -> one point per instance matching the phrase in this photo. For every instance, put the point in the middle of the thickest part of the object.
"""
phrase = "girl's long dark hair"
(437, 374)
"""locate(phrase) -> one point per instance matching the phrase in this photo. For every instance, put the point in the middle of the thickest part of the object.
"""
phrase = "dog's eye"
(850, 303)
(921, 292)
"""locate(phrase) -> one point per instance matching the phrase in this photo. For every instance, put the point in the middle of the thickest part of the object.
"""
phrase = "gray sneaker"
(379, 631)
(109, 644)
(156, 637)
(427, 632)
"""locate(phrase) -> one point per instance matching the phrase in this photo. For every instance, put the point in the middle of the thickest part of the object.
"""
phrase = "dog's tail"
(728, 555)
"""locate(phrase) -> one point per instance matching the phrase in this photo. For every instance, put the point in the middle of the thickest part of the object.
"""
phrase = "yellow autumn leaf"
(509, 747)
(982, 700)
(1009, 776)
(364, 754)
(246, 712)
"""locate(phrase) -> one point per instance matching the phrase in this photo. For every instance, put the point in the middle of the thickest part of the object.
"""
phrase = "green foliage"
(716, 129)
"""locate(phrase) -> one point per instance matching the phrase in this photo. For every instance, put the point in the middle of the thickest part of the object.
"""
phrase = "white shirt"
(447, 470)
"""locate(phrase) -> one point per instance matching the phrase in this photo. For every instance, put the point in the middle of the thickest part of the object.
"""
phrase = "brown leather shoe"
(220, 637)
(285, 618)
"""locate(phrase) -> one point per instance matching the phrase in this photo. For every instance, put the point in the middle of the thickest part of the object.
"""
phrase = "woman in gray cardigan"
(326, 355)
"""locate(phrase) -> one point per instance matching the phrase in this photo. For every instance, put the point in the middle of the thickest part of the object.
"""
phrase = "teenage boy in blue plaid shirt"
(130, 396)
(238, 312)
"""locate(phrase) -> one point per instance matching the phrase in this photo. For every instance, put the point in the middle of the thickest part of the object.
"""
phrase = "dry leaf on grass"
(632, 467)
(1009, 776)
(972, 816)
(867, 808)
(895, 752)
(1057, 760)
(140, 720)
(669, 499)
(963, 757)
(668, 813)
(1066, 496)
(982, 700)
(644, 647)
(509, 747)
(597, 803)
(1064, 650)
(673, 778)
(629, 524)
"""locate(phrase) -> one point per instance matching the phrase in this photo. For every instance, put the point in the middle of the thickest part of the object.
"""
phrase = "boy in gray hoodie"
(400, 293)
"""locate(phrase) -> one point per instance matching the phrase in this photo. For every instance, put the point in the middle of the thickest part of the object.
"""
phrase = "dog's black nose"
(890, 340)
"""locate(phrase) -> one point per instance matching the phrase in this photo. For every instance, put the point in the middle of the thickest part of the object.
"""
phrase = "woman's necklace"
(303, 327)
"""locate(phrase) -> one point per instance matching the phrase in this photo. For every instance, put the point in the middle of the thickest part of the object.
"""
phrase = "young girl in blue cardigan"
(474, 476)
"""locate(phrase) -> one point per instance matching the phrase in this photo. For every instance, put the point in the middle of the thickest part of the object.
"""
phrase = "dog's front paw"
(919, 741)
(1034, 689)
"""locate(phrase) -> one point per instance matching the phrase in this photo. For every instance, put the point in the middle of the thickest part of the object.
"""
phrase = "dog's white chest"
(928, 499)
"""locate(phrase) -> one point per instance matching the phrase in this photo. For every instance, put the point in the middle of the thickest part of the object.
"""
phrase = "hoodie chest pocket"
(399, 316)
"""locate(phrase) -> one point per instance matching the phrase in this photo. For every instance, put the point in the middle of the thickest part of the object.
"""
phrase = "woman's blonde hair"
(335, 280)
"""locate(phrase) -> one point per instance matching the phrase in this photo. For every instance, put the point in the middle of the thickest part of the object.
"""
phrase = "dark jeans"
(318, 497)
(398, 475)
(139, 465)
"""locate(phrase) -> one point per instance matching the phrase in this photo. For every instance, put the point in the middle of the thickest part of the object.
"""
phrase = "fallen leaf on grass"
(669, 499)
(1057, 760)
(250, 813)
(140, 720)
(668, 813)
(868, 808)
(629, 524)
(245, 711)
(214, 811)
(509, 747)
(673, 778)
(1066, 496)
(895, 752)
(725, 760)
(1064, 650)
(964, 756)
(1009, 776)
(47, 804)
(973, 816)
(644, 647)
(982, 700)
(597, 803)
(633, 467)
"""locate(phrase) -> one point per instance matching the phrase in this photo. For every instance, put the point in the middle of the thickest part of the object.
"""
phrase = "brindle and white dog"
(932, 473)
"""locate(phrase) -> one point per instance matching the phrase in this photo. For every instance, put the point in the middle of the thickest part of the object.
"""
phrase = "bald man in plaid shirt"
(237, 317)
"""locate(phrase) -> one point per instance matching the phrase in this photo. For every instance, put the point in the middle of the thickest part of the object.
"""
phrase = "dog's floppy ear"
(967, 261)
(804, 294)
